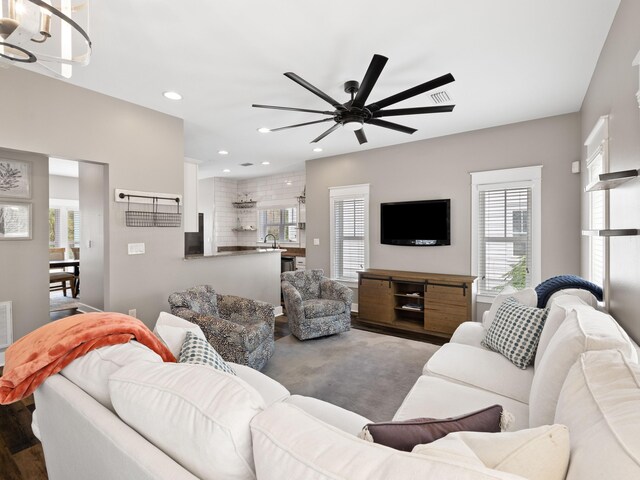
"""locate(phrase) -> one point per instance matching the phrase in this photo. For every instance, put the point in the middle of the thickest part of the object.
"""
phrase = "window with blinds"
(73, 228)
(349, 231)
(280, 222)
(504, 238)
(597, 221)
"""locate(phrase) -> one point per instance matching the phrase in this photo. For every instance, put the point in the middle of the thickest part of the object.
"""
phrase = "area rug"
(60, 302)
(364, 372)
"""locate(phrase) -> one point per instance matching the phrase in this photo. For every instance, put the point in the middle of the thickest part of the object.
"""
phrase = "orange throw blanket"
(47, 350)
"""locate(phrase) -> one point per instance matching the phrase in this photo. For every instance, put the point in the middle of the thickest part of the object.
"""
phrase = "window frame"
(508, 178)
(348, 192)
(277, 205)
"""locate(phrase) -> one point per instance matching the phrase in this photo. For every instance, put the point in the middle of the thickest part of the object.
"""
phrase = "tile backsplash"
(272, 189)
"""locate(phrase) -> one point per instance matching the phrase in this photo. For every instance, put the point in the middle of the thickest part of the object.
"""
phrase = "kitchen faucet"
(274, 239)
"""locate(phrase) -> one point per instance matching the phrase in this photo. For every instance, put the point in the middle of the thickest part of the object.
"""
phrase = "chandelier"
(46, 32)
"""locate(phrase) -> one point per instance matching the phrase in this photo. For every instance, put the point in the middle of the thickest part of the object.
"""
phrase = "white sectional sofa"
(176, 421)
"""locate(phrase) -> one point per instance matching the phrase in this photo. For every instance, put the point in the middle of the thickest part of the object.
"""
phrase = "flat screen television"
(423, 223)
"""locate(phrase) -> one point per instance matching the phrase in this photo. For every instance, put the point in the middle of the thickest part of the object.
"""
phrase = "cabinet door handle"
(463, 286)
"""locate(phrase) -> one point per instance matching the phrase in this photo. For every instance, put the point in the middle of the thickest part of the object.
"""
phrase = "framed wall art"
(15, 178)
(15, 220)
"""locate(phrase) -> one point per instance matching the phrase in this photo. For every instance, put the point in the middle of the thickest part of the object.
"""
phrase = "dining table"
(66, 264)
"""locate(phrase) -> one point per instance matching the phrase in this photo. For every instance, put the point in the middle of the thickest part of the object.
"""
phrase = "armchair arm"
(292, 301)
(332, 290)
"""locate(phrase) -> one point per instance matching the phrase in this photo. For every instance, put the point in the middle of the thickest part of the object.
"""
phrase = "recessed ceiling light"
(223, 152)
(288, 183)
(264, 130)
(317, 149)
(266, 163)
(226, 170)
(172, 95)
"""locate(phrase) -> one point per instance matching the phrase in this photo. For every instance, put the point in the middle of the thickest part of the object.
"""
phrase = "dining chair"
(58, 277)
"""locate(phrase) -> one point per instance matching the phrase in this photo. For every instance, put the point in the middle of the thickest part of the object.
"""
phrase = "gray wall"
(439, 168)
(24, 270)
(613, 92)
(144, 151)
(63, 188)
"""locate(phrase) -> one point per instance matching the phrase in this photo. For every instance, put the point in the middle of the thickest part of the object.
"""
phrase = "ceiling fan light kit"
(355, 113)
(46, 32)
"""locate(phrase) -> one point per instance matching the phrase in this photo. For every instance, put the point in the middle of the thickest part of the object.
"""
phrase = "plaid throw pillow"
(515, 331)
(198, 351)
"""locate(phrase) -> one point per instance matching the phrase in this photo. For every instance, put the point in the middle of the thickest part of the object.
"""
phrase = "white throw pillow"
(600, 403)
(537, 453)
(527, 297)
(584, 329)
(558, 311)
(172, 331)
(91, 371)
(197, 415)
(290, 443)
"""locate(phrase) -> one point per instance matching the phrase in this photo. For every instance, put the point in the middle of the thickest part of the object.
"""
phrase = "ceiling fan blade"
(370, 78)
(413, 111)
(412, 92)
(362, 138)
(315, 90)
(301, 124)
(391, 125)
(292, 109)
(332, 129)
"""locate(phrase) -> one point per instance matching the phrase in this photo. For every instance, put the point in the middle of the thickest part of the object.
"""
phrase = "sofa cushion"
(481, 368)
(469, 333)
(346, 420)
(584, 329)
(515, 332)
(540, 453)
(599, 403)
(91, 371)
(585, 295)
(406, 434)
(197, 415)
(559, 308)
(290, 443)
(526, 296)
(270, 390)
(197, 351)
(172, 330)
(439, 398)
(321, 307)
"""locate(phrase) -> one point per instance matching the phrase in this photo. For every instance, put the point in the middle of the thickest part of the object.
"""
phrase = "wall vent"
(6, 327)
(440, 97)
(246, 164)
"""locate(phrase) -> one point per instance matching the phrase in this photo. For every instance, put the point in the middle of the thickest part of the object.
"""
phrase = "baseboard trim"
(84, 308)
(278, 311)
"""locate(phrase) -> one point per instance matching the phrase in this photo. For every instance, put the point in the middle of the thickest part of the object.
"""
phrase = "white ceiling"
(512, 60)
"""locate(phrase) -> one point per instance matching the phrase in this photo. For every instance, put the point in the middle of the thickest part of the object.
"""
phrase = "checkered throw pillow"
(198, 351)
(515, 331)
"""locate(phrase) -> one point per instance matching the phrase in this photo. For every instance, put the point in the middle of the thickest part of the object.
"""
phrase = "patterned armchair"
(316, 306)
(240, 329)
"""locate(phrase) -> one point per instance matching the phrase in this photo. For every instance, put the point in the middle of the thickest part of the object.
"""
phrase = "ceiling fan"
(353, 114)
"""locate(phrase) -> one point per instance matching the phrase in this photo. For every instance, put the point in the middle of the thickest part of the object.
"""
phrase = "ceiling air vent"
(440, 97)
(246, 164)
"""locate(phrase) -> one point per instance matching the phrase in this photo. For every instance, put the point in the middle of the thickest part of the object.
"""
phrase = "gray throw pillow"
(515, 332)
(196, 350)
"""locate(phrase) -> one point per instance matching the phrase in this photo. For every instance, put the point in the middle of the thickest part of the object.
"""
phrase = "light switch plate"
(575, 167)
(136, 248)
(316, 241)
